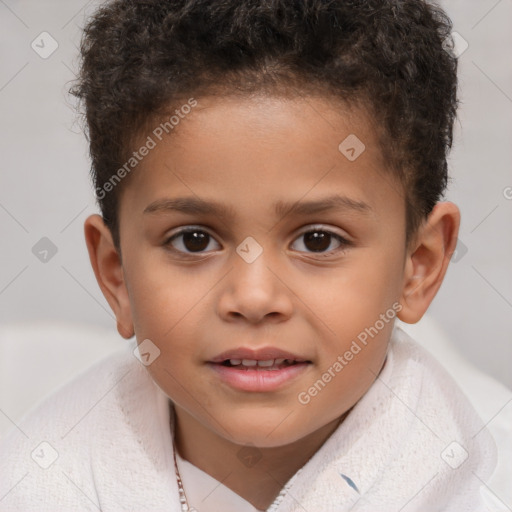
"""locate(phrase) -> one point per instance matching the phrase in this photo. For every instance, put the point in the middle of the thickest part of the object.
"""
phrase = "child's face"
(196, 298)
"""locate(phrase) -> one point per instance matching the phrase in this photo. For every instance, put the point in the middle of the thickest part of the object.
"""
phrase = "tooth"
(270, 362)
(249, 362)
(235, 362)
(279, 361)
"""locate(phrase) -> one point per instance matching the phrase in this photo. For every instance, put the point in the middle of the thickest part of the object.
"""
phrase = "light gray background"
(45, 189)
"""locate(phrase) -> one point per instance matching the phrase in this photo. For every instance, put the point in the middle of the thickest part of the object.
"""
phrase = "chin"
(269, 434)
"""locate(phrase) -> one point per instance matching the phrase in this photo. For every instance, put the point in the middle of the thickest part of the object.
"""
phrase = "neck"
(255, 474)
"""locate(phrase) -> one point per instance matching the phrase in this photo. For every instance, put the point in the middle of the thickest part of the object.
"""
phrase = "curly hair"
(140, 58)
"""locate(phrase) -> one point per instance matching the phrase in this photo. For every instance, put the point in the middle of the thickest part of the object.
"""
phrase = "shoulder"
(437, 394)
(63, 408)
(465, 408)
(53, 438)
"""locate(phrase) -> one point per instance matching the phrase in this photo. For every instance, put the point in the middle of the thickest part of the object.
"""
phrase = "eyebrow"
(195, 206)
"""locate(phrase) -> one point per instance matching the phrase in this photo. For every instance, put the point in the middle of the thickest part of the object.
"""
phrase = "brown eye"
(317, 241)
(320, 241)
(190, 241)
(196, 240)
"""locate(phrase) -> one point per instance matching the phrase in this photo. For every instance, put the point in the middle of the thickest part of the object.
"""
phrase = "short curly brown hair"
(140, 58)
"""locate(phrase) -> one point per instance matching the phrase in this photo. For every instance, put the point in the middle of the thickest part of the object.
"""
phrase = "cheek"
(354, 295)
(160, 296)
(169, 307)
(171, 323)
(346, 373)
(355, 308)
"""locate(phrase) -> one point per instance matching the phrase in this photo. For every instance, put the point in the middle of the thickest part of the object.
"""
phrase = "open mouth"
(254, 364)
(259, 375)
(259, 370)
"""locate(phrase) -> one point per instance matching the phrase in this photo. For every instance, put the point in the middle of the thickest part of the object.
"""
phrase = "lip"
(262, 354)
(258, 380)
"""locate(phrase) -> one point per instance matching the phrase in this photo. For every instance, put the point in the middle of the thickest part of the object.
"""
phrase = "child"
(269, 175)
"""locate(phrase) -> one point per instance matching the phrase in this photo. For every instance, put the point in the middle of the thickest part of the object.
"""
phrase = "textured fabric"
(412, 443)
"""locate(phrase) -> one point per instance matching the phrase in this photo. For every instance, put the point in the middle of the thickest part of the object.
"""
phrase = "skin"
(314, 304)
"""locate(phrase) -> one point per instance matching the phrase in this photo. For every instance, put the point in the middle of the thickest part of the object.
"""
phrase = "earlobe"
(106, 263)
(427, 261)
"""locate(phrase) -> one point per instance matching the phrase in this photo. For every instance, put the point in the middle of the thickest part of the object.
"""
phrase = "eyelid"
(344, 242)
(307, 229)
(186, 229)
(325, 228)
(343, 239)
(319, 226)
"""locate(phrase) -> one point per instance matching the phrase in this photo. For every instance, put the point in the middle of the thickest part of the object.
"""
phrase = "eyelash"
(344, 243)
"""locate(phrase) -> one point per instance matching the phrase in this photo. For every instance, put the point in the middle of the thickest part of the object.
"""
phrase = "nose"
(253, 293)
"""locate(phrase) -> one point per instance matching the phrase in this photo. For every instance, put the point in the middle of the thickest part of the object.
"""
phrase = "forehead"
(231, 153)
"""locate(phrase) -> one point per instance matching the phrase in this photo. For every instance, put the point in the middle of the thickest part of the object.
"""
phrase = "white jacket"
(103, 442)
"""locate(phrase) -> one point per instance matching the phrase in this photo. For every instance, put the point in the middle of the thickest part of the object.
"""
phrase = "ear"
(427, 260)
(106, 263)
